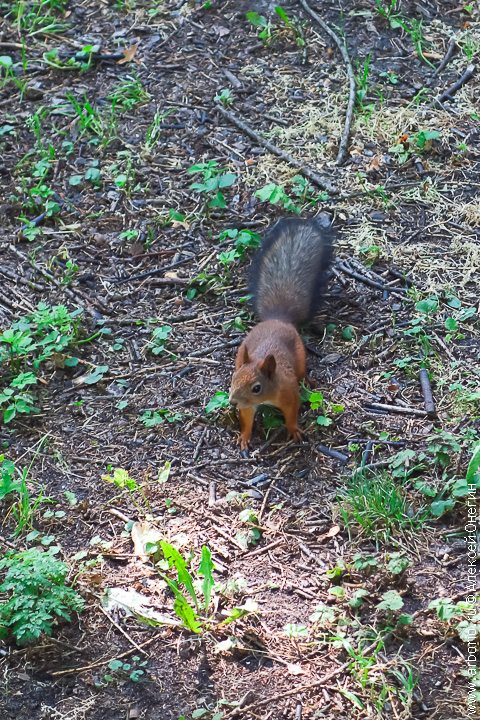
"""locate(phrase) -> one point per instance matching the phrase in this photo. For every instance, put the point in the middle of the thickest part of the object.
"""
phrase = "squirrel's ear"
(267, 366)
(242, 357)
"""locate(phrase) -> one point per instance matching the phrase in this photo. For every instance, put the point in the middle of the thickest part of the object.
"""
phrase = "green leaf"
(348, 333)
(121, 180)
(182, 609)
(324, 421)
(323, 615)
(164, 473)
(97, 375)
(445, 609)
(474, 465)
(255, 19)
(391, 601)
(218, 201)
(175, 560)
(218, 402)
(357, 600)
(425, 136)
(6, 61)
(226, 180)
(454, 302)
(428, 306)
(282, 15)
(469, 631)
(93, 175)
(9, 414)
(352, 697)
(292, 630)
(397, 563)
(205, 570)
(75, 180)
(441, 507)
(451, 324)
(24, 379)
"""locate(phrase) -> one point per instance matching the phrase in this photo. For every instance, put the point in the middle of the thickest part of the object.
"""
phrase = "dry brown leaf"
(333, 531)
(143, 533)
(294, 669)
(128, 54)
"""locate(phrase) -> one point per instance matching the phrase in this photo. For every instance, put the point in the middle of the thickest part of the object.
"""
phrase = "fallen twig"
(40, 218)
(310, 173)
(396, 409)
(451, 47)
(218, 346)
(430, 408)
(447, 94)
(366, 453)
(335, 454)
(368, 281)
(342, 148)
(149, 273)
(79, 297)
(124, 632)
(99, 663)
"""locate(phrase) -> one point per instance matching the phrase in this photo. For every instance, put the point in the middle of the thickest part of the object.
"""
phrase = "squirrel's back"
(288, 272)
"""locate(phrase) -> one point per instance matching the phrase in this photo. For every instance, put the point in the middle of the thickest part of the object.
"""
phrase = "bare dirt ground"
(130, 242)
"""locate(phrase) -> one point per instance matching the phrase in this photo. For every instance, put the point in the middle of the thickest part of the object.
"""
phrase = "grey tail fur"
(288, 272)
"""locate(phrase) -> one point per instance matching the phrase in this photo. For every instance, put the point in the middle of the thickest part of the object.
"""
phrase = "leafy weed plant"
(28, 343)
(37, 594)
(192, 588)
(214, 180)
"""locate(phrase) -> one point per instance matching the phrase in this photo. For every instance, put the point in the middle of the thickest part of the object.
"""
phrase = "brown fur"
(272, 355)
(286, 282)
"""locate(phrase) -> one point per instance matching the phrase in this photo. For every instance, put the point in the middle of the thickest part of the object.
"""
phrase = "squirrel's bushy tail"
(288, 272)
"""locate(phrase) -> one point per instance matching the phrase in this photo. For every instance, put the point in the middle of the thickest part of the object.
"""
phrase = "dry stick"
(430, 408)
(342, 149)
(294, 691)
(212, 493)
(323, 680)
(212, 348)
(124, 633)
(465, 77)
(396, 409)
(99, 663)
(79, 298)
(329, 452)
(310, 173)
(150, 273)
(368, 281)
(452, 45)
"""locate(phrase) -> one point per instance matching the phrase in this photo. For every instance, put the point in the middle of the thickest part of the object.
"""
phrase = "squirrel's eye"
(256, 388)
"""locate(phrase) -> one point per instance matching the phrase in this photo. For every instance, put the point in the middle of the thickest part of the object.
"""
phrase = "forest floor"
(335, 557)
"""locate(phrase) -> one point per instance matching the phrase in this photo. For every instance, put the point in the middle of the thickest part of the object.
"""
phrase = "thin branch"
(310, 173)
(465, 77)
(430, 408)
(342, 149)
(452, 46)
(368, 281)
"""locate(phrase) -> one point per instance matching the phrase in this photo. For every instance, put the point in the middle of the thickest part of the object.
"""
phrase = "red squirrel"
(287, 278)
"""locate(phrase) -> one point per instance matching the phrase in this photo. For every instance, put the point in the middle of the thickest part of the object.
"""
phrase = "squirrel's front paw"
(243, 442)
(296, 435)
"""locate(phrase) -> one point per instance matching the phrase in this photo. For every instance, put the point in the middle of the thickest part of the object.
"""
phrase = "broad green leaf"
(474, 464)
(175, 560)
(205, 570)
(391, 601)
